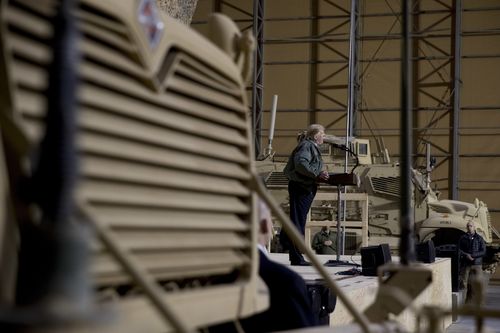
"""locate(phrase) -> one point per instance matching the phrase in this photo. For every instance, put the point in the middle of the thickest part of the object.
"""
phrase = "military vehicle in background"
(443, 221)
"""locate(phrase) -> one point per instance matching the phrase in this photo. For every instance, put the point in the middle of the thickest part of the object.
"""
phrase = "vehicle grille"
(165, 159)
(386, 185)
(276, 179)
(490, 227)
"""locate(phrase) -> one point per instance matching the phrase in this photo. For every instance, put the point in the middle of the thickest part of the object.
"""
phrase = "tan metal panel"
(89, 93)
(30, 49)
(203, 110)
(120, 126)
(137, 314)
(158, 219)
(209, 72)
(109, 38)
(30, 76)
(105, 168)
(119, 277)
(173, 261)
(122, 83)
(46, 7)
(33, 129)
(144, 153)
(117, 81)
(30, 103)
(194, 75)
(114, 26)
(141, 152)
(204, 93)
(169, 266)
(163, 241)
(112, 193)
(29, 22)
(125, 105)
(112, 59)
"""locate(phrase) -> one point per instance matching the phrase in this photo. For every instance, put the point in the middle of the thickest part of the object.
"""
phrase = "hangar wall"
(306, 44)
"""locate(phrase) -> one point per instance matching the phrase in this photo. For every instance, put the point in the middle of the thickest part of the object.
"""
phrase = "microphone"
(337, 141)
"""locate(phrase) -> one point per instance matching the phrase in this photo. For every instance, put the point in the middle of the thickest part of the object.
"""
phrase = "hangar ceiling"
(304, 48)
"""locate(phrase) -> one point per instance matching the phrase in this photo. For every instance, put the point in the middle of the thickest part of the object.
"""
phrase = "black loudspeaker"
(374, 256)
(323, 301)
(426, 252)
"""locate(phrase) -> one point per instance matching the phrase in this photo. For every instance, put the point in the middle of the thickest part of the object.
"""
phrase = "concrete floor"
(467, 325)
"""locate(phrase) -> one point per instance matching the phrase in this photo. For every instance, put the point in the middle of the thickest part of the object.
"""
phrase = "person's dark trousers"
(300, 202)
(465, 276)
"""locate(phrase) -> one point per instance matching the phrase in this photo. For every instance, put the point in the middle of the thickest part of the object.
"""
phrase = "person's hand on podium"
(323, 176)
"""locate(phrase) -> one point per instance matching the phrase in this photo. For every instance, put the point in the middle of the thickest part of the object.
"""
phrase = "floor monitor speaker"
(426, 252)
(374, 256)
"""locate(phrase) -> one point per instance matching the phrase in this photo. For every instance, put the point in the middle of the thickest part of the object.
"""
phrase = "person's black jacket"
(289, 306)
(473, 245)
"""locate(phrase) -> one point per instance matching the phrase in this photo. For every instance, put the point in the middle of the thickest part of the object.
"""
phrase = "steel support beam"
(333, 80)
(406, 246)
(313, 68)
(258, 75)
(353, 82)
(434, 84)
(379, 60)
(454, 172)
(217, 6)
(329, 17)
(415, 74)
(397, 109)
(352, 89)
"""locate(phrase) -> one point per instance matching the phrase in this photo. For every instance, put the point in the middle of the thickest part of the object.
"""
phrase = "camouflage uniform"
(318, 243)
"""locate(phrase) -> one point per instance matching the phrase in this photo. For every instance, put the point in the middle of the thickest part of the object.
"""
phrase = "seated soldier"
(323, 241)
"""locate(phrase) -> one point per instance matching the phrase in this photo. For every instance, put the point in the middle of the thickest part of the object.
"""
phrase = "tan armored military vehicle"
(118, 119)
